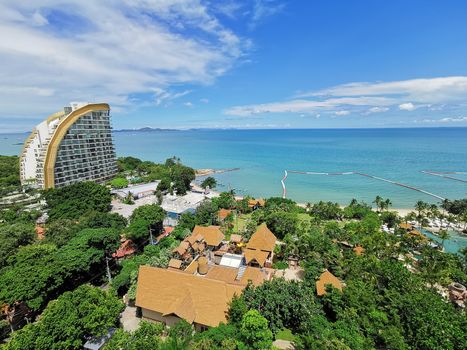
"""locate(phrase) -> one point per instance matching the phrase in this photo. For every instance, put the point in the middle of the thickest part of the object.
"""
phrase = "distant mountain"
(145, 129)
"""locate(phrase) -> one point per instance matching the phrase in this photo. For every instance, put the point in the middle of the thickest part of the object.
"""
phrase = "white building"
(70, 146)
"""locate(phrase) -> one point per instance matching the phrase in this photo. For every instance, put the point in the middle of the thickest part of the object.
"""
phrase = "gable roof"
(222, 273)
(193, 298)
(325, 279)
(262, 239)
(235, 238)
(212, 234)
(255, 255)
(254, 275)
(182, 248)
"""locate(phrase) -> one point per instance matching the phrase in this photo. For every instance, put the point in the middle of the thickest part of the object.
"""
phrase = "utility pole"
(150, 235)
(109, 276)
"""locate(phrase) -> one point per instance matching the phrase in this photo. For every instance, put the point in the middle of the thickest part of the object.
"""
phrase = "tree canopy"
(73, 201)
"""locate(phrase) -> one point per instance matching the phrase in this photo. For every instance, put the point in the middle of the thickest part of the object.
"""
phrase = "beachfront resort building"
(70, 146)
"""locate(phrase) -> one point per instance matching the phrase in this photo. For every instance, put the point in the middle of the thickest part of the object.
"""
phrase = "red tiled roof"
(126, 248)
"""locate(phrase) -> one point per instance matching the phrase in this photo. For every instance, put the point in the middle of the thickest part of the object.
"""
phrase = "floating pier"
(446, 174)
(284, 193)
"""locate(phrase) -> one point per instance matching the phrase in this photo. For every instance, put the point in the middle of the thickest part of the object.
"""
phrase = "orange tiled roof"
(234, 238)
(182, 248)
(175, 263)
(222, 273)
(260, 202)
(192, 268)
(193, 298)
(405, 226)
(254, 254)
(223, 213)
(262, 239)
(325, 279)
(255, 275)
(212, 234)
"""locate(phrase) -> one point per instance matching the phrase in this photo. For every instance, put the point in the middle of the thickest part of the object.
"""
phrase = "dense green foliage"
(72, 202)
(390, 300)
(67, 322)
(9, 174)
(12, 237)
(209, 182)
(36, 273)
(174, 176)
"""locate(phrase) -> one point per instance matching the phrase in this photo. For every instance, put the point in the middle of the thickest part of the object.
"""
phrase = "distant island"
(145, 129)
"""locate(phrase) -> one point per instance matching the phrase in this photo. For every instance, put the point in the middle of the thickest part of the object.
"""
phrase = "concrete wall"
(157, 316)
(168, 320)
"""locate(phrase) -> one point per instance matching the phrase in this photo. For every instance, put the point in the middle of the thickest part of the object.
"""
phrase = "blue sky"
(244, 64)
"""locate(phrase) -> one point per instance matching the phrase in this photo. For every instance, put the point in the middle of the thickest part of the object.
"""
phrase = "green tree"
(254, 331)
(69, 320)
(72, 202)
(421, 208)
(225, 200)
(209, 182)
(378, 200)
(12, 237)
(146, 337)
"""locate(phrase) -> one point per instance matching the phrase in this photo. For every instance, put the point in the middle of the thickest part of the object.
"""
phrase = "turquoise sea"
(263, 155)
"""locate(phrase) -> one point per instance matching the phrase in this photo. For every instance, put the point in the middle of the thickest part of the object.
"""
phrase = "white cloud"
(369, 98)
(263, 9)
(443, 120)
(342, 113)
(107, 51)
(188, 104)
(203, 100)
(408, 106)
(162, 95)
(378, 109)
(430, 90)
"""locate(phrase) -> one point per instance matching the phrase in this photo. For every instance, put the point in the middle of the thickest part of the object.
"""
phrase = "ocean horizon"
(262, 155)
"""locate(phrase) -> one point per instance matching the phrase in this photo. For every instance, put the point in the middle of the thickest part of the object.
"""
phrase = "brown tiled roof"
(192, 268)
(212, 234)
(182, 248)
(405, 226)
(254, 254)
(418, 234)
(253, 202)
(222, 273)
(236, 238)
(194, 238)
(262, 239)
(175, 263)
(223, 213)
(325, 279)
(193, 298)
(253, 274)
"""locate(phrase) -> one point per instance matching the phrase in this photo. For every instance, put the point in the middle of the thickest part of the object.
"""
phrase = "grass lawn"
(285, 334)
(240, 222)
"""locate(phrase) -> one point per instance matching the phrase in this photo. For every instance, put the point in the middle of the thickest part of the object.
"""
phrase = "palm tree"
(387, 203)
(421, 207)
(444, 235)
(308, 207)
(378, 200)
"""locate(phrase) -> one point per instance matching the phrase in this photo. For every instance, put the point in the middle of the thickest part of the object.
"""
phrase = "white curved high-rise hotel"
(70, 146)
